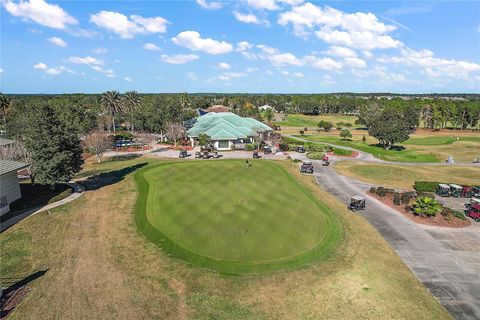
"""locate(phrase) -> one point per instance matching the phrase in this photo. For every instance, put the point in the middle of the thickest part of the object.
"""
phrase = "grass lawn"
(214, 214)
(403, 177)
(439, 140)
(380, 153)
(100, 266)
(300, 120)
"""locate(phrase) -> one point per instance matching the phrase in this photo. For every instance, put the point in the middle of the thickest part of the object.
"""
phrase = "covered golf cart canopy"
(455, 186)
(444, 186)
(357, 199)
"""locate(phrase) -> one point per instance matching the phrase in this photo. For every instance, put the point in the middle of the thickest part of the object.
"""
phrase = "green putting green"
(220, 215)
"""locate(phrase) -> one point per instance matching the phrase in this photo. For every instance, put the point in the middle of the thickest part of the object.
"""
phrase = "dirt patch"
(354, 154)
(437, 220)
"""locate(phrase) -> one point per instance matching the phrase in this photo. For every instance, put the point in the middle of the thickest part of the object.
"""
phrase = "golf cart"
(467, 192)
(455, 190)
(443, 190)
(474, 212)
(255, 154)
(306, 167)
(183, 154)
(357, 203)
(301, 149)
(216, 155)
(476, 192)
(267, 150)
(206, 155)
(472, 202)
(198, 155)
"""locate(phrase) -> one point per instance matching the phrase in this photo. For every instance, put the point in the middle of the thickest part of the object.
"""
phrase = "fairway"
(224, 216)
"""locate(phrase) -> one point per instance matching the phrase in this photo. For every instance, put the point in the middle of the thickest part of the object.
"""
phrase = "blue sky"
(278, 46)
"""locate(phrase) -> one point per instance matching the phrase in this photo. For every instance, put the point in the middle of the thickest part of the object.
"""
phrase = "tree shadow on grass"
(15, 292)
(108, 178)
(123, 157)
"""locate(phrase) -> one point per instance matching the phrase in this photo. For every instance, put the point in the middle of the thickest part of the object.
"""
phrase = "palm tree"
(111, 104)
(426, 206)
(131, 102)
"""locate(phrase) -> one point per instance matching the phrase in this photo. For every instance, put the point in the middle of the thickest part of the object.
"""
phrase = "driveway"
(446, 260)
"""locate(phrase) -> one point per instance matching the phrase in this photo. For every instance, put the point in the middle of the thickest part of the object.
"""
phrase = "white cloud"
(1, 70)
(357, 30)
(57, 41)
(243, 45)
(179, 58)
(432, 66)
(192, 76)
(324, 63)
(126, 28)
(279, 59)
(211, 5)
(341, 52)
(193, 41)
(50, 71)
(128, 79)
(269, 72)
(263, 4)
(88, 60)
(249, 18)
(40, 65)
(251, 69)
(107, 72)
(298, 75)
(227, 76)
(224, 65)
(100, 50)
(151, 46)
(41, 12)
(354, 62)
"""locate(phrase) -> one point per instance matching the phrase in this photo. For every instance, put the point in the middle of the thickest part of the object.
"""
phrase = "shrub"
(249, 147)
(381, 191)
(427, 194)
(314, 155)
(459, 215)
(426, 186)
(406, 196)
(396, 199)
(425, 206)
(302, 132)
(284, 146)
(373, 190)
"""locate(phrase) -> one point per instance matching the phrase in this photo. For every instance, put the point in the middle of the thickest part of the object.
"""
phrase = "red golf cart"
(474, 212)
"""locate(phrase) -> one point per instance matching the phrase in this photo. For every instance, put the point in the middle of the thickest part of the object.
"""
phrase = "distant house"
(265, 107)
(227, 130)
(216, 108)
(9, 186)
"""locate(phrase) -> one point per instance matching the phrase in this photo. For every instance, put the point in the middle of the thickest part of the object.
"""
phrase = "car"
(455, 190)
(357, 203)
(183, 154)
(198, 155)
(307, 167)
(443, 190)
(474, 212)
(301, 149)
(267, 150)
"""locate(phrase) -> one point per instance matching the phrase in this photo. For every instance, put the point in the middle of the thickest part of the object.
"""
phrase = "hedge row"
(427, 186)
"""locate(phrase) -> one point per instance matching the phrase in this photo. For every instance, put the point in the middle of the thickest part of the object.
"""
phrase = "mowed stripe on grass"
(222, 215)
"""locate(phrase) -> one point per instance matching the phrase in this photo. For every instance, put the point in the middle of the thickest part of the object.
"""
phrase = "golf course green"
(222, 215)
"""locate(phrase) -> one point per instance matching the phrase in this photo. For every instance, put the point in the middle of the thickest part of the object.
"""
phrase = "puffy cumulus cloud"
(263, 4)
(278, 59)
(249, 18)
(179, 58)
(323, 63)
(41, 12)
(53, 71)
(433, 66)
(210, 5)
(107, 72)
(354, 62)
(57, 41)
(243, 45)
(341, 52)
(88, 60)
(40, 65)
(151, 46)
(224, 65)
(128, 27)
(358, 30)
(128, 79)
(227, 76)
(193, 41)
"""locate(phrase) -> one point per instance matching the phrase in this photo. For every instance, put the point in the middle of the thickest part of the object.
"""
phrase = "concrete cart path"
(78, 191)
(446, 260)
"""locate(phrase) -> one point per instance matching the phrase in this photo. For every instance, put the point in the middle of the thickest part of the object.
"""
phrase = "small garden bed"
(405, 201)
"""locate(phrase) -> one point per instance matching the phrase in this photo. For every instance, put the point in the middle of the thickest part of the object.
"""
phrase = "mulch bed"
(354, 154)
(132, 149)
(437, 220)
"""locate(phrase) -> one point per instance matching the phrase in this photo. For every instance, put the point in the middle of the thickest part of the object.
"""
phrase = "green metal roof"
(229, 124)
(7, 166)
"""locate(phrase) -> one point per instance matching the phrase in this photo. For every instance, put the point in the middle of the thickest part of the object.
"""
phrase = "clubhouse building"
(227, 130)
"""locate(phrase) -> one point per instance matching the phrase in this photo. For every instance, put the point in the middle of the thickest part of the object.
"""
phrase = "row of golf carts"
(456, 191)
